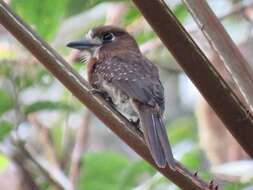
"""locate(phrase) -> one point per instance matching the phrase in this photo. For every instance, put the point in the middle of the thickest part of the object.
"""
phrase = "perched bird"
(117, 68)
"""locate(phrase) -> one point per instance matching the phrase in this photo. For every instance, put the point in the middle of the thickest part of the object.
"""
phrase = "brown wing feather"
(136, 76)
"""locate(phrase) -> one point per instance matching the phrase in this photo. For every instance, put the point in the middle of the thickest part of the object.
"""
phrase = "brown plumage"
(117, 67)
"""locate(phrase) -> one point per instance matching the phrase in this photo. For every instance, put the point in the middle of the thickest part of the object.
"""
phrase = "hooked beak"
(85, 44)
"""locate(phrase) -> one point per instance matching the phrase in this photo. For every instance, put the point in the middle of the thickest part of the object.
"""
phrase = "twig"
(232, 57)
(220, 97)
(81, 141)
(52, 173)
(236, 9)
(25, 175)
(81, 89)
(46, 140)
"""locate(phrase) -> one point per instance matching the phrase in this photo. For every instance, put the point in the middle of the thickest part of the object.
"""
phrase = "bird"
(117, 68)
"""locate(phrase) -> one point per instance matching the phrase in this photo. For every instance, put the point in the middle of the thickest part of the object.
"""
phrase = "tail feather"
(156, 137)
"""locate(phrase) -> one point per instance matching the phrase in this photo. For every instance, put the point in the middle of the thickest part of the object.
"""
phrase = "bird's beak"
(85, 44)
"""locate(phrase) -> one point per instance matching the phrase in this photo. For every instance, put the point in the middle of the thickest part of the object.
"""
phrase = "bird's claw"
(136, 122)
(95, 91)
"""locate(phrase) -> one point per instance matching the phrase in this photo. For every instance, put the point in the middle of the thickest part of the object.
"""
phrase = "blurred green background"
(39, 115)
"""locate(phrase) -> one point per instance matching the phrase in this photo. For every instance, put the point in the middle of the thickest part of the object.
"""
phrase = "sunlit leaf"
(5, 129)
(4, 161)
(6, 102)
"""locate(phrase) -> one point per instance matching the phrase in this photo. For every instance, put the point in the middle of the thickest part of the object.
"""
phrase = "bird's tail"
(156, 137)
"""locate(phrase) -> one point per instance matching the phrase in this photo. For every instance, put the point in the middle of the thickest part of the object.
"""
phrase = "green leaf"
(5, 129)
(181, 129)
(181, 12)
(81, 5)
(102, 171)
(45, 16)
(6, 102)
(4, 161)
(134, 173)
(46, 105)
(192, 159)
(131, 15)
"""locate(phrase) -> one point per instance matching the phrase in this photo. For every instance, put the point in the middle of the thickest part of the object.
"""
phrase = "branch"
(218, 37)
(236, 9)
(81, 89)
(81, 141)
(45, 138)
(52, 173)
(25, 175)
(218, 94)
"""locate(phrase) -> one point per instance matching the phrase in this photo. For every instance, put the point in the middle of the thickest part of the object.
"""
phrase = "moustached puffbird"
(117, 68)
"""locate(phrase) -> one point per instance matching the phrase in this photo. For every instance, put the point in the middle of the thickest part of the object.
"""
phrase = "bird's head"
(105, 41)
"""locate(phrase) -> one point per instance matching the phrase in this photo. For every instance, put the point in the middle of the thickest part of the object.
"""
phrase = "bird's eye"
(108, 37)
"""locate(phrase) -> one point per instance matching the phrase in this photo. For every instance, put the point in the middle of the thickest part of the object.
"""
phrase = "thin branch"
(25, 175)
(81, 141)
(81, 89)
(52, 173)
(236, 9)
(233, 59)
(46, 140)
(218, 94)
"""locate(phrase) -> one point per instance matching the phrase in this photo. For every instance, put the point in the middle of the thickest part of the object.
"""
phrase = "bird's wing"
(137, 77)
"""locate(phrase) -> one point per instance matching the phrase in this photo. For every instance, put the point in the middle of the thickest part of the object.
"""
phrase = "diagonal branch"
(218, 37)
(236, 117)
(81, 89)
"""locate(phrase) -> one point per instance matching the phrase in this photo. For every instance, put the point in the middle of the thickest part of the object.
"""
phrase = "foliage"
(133, 174)
(181, 129)
(5, 129)
(192, 159)
(44, 15)
(46, 105)
(6, 102)
(102, 170)
(4, 161)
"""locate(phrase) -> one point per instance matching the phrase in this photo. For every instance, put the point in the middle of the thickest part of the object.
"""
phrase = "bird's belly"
(120, 99)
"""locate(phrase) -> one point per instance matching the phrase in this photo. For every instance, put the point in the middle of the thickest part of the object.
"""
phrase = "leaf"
(81, 5)
(46, 105)
(4, 161)
(5, 129)
(131, 15)
(6, 102)
(133, 173)
(181, 129)
(192, 159)
(181, 12)
(45, 16)
(102, 171)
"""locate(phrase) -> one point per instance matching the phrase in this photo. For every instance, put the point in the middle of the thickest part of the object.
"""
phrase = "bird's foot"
(135, 122)
(104, 95)
(95, 91)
